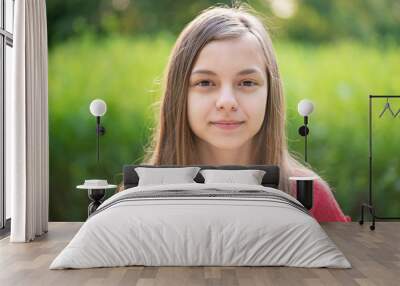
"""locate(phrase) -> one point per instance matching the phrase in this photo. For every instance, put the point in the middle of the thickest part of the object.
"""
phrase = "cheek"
(197, 110)
(255, 111)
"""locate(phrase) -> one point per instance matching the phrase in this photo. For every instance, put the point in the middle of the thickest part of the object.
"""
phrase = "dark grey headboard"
(270, 179)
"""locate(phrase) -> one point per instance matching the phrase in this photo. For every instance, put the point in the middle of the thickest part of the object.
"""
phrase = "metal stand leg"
(361, 221)
(372, 210)
(372, 213)
(96, 197)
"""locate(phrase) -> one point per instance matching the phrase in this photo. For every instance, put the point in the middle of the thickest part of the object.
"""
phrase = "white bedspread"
(190, 230)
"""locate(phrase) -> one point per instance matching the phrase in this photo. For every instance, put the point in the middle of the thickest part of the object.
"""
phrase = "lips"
(227, 125)
(227, 122)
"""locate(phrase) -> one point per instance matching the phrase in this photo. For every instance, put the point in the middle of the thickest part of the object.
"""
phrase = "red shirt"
(325, 207)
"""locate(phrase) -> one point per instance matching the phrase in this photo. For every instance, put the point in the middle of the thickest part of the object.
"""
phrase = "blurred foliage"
(126, 73)
(363, 20)
(126, 17)
(300, 20)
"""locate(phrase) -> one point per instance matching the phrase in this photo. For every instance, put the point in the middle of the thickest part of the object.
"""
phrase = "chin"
(227, 143)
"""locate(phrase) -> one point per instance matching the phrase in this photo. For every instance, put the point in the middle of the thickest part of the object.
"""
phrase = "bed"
(201, 224)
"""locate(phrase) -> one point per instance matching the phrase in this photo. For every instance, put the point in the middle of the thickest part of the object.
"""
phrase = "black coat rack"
(370, 205)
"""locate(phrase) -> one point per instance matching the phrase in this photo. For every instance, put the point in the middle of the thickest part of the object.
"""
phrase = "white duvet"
(185, 230)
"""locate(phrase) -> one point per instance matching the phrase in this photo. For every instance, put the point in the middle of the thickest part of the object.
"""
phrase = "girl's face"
(228, 92)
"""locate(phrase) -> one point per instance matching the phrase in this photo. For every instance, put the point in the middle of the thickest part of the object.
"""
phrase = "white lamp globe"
(305, 107)
(98, 107)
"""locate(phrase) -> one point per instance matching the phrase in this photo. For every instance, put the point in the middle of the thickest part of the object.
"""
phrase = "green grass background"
(127, 72)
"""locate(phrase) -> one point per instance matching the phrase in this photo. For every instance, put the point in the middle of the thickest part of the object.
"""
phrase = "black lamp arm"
(303, 131)
(100, 130)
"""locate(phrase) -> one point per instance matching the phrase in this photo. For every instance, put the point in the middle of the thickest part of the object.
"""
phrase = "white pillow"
(249, 177)
(162, 176)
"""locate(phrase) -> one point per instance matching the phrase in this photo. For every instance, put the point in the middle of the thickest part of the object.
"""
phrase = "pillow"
(162, 176)
(249, 177)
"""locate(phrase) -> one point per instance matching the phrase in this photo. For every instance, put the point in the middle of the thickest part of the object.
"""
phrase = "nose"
(226, 100)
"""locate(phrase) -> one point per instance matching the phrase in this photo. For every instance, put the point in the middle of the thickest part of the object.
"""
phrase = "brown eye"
(248, 83)
(204, 83)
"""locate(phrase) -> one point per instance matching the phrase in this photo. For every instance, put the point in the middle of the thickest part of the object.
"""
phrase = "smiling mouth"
(227, 125)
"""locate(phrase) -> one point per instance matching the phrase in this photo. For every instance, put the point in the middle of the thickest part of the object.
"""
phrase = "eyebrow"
(243, 72)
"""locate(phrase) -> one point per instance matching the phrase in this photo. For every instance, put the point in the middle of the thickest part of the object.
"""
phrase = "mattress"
(198, 224)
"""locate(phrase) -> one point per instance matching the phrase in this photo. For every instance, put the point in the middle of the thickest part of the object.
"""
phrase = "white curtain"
(27, 124)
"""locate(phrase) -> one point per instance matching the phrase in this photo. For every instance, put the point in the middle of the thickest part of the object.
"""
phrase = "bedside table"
(304, 187)
(96, 194)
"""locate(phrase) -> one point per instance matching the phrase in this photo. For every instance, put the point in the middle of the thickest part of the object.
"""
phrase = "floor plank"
(374, 255)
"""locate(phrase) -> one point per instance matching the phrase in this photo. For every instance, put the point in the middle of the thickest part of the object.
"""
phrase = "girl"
(223, 103)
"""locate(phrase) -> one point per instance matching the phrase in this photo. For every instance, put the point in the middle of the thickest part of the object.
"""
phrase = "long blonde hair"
(173, 140)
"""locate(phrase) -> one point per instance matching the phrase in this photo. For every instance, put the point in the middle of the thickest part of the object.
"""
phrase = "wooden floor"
(374, 255)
